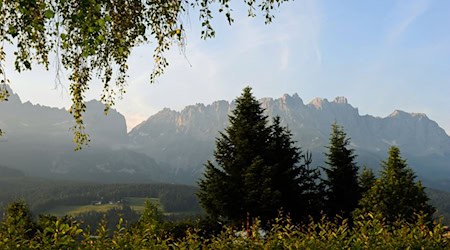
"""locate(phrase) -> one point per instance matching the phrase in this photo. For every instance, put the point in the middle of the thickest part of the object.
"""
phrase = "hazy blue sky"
(381, 55)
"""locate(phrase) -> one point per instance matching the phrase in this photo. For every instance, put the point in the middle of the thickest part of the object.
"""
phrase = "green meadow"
(136, 203)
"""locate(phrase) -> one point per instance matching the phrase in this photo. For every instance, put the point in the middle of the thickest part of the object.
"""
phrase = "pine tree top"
(396, 167)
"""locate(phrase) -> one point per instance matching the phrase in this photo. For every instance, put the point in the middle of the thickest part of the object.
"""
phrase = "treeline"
(92, 220)
(174, 198)
(43, 196)
(259, 169)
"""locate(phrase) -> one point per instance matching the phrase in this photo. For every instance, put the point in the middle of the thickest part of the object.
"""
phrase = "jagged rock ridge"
(185, 139)
(173, 146)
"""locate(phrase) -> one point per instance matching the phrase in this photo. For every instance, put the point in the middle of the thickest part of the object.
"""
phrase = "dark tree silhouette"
(343, 192)
(259, 171)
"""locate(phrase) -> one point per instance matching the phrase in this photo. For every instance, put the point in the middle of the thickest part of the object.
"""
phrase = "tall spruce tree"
(259, 171)
(342, 188)
(293, 176)
(366, 180)
(396, 195)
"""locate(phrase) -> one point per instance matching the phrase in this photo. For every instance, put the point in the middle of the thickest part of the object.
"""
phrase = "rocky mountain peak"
(165, 113)
(13, 97)
(419, 115)
(398, 113)
(266, 100)
(318, 102)
(219, 105)
(403, 114)
(292, 100)
(340, 100)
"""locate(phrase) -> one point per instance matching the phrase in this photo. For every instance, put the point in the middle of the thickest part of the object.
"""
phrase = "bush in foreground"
(367, 232)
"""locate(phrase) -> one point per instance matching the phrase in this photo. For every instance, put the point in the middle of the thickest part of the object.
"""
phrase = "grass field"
(136, 203)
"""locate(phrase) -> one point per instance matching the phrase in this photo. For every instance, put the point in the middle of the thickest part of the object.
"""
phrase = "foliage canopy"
(368, 232)
(95, 38)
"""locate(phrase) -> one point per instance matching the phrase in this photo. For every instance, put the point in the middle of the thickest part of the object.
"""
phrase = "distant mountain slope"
(185, 139)
(38, 141)
(6, 172)
(35, 123)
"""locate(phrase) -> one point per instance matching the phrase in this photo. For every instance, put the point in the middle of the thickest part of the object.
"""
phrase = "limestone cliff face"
(182, 139)
(185, 139)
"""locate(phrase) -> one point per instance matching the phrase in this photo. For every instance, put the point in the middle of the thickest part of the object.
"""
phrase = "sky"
(382, 55)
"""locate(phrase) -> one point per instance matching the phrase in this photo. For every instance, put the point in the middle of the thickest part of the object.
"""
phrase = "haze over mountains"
(38, 141)
(172, 146)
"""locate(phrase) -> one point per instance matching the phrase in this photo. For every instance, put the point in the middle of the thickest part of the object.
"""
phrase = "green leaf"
(49, 14)
(101, 22)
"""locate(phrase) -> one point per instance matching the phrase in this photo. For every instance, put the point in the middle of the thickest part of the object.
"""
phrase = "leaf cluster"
(368, 232)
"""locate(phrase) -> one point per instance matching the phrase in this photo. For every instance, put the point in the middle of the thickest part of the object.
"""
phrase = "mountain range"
(38, 142)
(172, 146)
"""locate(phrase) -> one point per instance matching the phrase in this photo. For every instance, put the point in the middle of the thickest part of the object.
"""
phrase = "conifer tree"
(396, 195)
(293, 176)
(343, 192)
(366, 180)
(259, 170)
